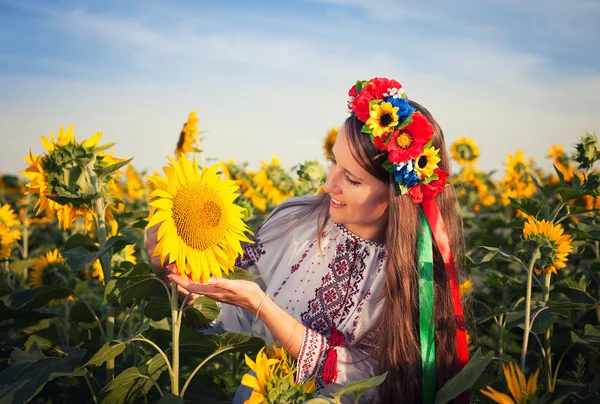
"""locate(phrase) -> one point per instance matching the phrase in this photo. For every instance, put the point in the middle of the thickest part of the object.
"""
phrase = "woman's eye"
(332, 160)
(351, 182)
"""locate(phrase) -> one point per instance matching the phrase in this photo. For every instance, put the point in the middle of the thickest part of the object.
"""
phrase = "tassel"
(330, 370)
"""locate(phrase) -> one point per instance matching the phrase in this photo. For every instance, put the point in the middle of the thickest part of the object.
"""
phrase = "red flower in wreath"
(380, 87)
(360, 104)
(421, 192)
(407, 143)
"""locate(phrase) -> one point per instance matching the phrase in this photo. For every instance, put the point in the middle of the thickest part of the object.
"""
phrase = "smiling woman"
(329, 265)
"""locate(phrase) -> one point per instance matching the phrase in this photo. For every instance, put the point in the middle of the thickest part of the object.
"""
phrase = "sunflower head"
(465, 151)
(427, 162)
(200, 226)
(384, 117)
(188, 136)
(522, 390)
(330, 141)
(59, 177)
(47, 269)
(553, 244)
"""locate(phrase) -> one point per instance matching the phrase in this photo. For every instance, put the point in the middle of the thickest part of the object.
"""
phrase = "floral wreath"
(403, 132)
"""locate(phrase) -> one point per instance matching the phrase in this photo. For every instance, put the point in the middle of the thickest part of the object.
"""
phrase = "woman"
(348, 281)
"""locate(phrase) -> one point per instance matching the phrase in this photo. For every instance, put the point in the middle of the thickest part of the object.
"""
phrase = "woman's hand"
(160, 270)
(245, 294)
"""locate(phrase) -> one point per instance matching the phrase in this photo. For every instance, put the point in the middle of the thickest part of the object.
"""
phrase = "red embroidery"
(252, 253)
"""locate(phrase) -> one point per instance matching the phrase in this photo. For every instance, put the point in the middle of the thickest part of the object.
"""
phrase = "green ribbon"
(426, 296)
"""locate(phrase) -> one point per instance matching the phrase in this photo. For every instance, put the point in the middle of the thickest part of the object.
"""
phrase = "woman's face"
(359, 201)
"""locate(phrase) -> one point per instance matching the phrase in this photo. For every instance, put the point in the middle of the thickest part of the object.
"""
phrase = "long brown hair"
(397, 344)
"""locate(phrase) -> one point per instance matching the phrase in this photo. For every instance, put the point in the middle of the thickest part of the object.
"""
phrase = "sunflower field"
(83, 318)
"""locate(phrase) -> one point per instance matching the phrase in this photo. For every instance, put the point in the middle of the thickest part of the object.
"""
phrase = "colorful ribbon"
(426, 304)
(438, 229)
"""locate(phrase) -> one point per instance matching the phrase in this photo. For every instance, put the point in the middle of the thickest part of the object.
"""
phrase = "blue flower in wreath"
(404, 108)
(406, 174)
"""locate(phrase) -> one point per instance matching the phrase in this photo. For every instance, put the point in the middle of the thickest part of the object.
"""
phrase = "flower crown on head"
(403, 132)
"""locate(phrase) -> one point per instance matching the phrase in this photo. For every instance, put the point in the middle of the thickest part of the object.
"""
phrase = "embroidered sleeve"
(312, 356)
(328, 360)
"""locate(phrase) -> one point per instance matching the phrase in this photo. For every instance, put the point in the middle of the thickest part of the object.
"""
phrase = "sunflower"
(384, 117)
(521, 390)
(135, 187)
(49, 172)
(262, 370)
(561, 161)
(8, 218)
(46, 268)
(554, 245)
(200, 226)
(465, 151)
(427, 162)
(188, 135)
(330, 141)
(6, 241)
(465, 287)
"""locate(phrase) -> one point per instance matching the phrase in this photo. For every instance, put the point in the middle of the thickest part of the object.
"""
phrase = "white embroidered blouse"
(336, 288)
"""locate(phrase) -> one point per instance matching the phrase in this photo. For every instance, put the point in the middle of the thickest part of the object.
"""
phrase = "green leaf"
(43, 343)
(75, 200)
(128, 387)
(114, 348)
(106, 171)
(321, 400)
(79, 257)
(35, 297)
(157, 309)
(203, 312)
(170, 399)
(133, 285)
(358, 387)
(575, 291)
(109, 351)
(81, 240)
(465, 379)
(529, 206)
(81, 314)
(31, 370)
(240, 274)
(495, 254)
(19, 265)
(561, 177)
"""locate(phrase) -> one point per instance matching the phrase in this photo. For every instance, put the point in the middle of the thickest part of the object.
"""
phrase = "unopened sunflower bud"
(587, 152)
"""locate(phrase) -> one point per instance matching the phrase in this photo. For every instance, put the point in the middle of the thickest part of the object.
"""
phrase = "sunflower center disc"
(199, 216)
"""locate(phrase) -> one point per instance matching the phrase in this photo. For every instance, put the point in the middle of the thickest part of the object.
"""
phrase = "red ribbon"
(438, 229)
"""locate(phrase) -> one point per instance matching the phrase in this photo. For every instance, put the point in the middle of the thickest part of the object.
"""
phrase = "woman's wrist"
(256, 302)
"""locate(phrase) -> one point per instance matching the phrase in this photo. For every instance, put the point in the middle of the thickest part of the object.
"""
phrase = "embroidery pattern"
(252, 253)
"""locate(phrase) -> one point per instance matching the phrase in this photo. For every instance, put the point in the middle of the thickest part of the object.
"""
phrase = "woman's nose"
(331, 185)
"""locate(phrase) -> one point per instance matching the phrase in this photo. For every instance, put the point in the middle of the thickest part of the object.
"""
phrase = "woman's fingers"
(193, 287)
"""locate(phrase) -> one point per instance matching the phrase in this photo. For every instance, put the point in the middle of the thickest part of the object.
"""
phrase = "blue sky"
(271, 77)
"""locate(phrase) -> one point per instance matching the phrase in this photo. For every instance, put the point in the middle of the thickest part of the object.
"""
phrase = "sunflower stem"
(548, 334)
(534, 258)
(209, 357)
(101, 234)
(175, 324)
(67, 321)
